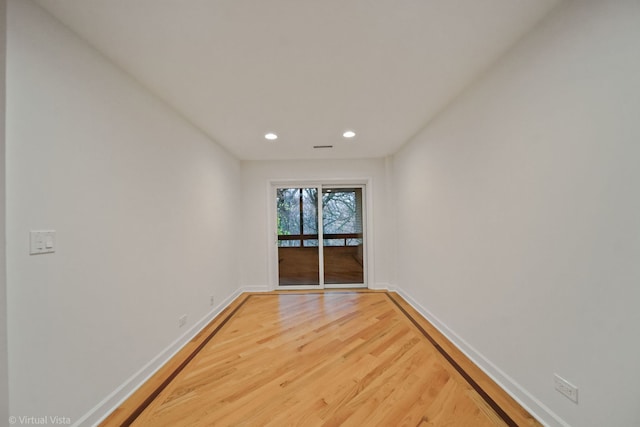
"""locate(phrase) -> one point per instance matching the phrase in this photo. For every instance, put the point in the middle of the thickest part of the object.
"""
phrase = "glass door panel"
(298, 244)
(343, 237)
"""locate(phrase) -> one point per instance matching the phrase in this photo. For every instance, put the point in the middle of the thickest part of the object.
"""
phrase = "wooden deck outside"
(299, 265)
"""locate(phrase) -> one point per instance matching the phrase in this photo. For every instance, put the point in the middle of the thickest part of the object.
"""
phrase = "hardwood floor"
(320, 358)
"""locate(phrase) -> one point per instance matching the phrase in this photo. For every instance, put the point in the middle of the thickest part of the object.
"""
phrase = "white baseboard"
(536, 408)
(382, 287)
(257, 288)
(122, 393)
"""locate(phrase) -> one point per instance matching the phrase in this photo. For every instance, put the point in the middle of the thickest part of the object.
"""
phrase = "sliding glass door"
(320, 236)
(342, 237)
(298, 245)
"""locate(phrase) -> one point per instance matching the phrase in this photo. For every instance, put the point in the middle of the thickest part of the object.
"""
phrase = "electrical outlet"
(182, 320)
(211, 300)
(565, 387)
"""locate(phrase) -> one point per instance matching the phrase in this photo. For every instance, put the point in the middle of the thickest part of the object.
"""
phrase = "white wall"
(518, 213)
(4, 363)
(256, 178)
(145, 210)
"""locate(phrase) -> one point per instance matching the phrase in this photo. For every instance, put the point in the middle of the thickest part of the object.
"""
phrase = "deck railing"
(333, 236)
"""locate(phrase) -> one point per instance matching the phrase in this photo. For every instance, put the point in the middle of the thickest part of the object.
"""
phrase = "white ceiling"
(304, 69)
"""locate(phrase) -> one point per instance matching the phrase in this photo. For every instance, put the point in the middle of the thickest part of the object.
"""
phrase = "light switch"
(42, 241)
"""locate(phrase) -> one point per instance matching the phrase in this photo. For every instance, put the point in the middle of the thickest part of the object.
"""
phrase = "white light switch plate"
(42, 242)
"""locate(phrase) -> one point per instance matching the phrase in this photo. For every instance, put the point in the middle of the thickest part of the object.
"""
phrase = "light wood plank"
(326, 359)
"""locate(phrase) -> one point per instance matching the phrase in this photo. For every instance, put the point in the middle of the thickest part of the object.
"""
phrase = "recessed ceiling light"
(349, 134)
(271, 136)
